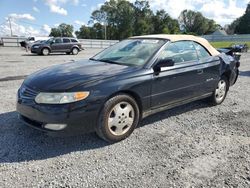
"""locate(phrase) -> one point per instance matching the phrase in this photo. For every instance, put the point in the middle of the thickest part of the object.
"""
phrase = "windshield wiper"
(108, 61)
(93, 59)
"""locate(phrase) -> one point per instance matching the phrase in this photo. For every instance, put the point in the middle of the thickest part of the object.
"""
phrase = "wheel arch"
(47, 48)
(75, 46)
(132, 94)
(227, 74)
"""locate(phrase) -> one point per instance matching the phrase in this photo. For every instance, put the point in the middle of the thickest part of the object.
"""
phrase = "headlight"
(35, 46)
(60, 98)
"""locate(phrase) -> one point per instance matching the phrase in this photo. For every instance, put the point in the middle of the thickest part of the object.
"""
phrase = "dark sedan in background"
(239, 47)
(58, 44)
(111, 92)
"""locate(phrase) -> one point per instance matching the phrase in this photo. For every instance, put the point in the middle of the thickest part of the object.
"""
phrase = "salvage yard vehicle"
(32, 40)
(239, 47)
(58, 44)
(111, 92)
(236, 47)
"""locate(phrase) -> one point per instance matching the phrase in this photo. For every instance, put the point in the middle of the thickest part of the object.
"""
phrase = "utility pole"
(10, 27)
(105, 30)
(105, 25)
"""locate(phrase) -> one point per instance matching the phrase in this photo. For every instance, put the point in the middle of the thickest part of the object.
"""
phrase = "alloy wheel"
(45, 51)
(221, 90)
(75, 51)
(121, 118)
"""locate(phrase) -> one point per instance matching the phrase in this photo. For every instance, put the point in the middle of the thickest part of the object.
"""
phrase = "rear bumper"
(235, 73)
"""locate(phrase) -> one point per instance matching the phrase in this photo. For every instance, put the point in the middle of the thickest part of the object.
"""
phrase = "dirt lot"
(195, 145)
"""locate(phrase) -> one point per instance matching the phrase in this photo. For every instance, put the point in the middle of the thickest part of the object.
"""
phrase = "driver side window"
(179, 52)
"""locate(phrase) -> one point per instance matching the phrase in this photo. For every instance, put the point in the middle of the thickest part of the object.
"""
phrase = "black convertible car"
(111, 92)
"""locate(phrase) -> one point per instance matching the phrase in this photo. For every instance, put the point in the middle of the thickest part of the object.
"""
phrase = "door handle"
(200, 71)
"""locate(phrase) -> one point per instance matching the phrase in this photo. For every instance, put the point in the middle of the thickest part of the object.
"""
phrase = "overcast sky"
(36, 17)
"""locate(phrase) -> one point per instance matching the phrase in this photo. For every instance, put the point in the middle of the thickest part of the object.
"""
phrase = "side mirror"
(163, 63)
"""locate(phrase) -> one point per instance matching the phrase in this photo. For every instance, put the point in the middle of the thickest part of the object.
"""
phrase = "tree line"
(120, 19)
(241, 25)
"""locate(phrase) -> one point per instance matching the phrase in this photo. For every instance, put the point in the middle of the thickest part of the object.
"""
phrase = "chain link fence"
(230, 38)
(86, 43)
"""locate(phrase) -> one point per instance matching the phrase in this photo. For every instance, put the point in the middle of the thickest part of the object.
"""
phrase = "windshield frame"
(145, 64)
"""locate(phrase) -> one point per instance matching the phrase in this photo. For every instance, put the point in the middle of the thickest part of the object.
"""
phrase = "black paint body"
(170, 87)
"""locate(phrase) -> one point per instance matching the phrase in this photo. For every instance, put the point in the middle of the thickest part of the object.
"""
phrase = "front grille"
(27, 94)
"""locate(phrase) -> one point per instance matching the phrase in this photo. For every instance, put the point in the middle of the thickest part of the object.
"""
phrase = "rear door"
(180, 82)
(66, 45)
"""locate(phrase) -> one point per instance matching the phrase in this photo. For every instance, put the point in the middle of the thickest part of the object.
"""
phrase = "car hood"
(66, 76)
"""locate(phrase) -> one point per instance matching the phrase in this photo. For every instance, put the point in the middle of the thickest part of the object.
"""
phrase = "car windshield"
(132, 52)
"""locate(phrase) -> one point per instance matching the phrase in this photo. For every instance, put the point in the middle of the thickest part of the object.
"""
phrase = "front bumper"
(35, 50)
(78, 118)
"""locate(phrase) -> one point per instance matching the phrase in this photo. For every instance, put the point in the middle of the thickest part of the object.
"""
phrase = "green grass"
(226, 44)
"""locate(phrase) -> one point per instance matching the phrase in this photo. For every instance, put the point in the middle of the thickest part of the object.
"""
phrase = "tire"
(118, 119)
(45, 51)
(220, 92)
(74, 51)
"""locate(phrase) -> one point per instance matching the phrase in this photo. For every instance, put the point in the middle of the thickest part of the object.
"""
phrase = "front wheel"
(119, 117)
(220, 92)
(45, 51)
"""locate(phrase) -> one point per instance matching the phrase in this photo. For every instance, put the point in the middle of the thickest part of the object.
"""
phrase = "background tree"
(119, 17)
(230, 29)
(97, 31)
(142, 18)
(240, 25)
(63, 30)
(84, 32)
(123, 19)
(55, 32)
(194, 22)
(243, 26)
(163, 23)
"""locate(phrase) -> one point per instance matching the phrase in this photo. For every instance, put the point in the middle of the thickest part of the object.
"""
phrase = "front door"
(57, 45)
(181, 81)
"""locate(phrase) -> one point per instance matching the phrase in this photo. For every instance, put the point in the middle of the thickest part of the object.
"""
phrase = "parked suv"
(58, 44)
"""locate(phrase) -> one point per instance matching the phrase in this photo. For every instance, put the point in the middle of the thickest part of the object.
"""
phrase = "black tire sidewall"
(102, 127)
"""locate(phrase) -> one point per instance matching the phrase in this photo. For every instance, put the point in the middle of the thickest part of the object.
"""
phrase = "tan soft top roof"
(175, 38)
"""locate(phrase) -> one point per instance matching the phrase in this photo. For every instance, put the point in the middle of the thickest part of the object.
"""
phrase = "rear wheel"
(119, 117)
(75, 51)
(45, 51)
(220, 92)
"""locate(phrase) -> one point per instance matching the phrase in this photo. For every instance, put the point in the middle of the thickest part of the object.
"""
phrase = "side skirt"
(154, 111)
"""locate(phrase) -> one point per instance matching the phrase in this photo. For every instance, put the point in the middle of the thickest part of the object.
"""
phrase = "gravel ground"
(195, 145)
